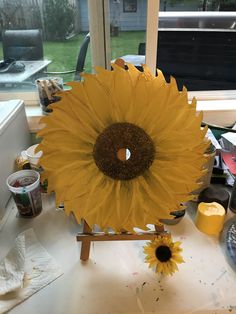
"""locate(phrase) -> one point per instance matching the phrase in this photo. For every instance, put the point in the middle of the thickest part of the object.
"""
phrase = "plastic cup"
(33, 157)
(34, 164)
(47, 89)
(25, 188)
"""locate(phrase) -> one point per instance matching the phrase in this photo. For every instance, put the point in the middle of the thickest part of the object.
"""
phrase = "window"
(60, 27)
(127, 30)
(130, 5)
(127, 35)
(197, 43)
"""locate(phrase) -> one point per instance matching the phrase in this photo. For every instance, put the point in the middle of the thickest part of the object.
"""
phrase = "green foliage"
(58, 16)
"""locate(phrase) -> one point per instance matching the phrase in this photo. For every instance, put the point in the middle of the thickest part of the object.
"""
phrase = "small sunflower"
(91, 128)
(163, 254)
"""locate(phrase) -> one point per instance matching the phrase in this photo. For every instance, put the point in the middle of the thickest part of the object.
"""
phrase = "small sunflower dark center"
(120, 136)
(163, 253)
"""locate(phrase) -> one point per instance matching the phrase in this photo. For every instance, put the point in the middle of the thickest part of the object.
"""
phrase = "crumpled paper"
(26, 269)
(12, 267)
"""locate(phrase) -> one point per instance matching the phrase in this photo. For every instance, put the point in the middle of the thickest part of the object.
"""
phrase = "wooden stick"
(85, 246)
(55, 85)
(49, 96)
(40, 86)
(101, 236)
(159, 228)
(120, 62)
(115, 237)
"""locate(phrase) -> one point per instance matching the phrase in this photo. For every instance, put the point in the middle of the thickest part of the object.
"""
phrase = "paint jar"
(48, 87)
(25, 188)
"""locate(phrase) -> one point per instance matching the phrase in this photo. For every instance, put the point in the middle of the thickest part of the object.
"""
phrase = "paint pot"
(215, 194)
(48, 87)
(25, 188)
(210, 218)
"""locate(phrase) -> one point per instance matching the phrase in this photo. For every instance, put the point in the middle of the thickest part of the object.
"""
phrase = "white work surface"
(31, 68)
(116, 279)
(136, 60)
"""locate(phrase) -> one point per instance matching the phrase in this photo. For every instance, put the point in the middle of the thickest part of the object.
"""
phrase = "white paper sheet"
(30, 269)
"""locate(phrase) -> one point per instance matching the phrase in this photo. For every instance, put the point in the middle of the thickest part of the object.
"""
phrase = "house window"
(59, 29)
(128, 37)
(130, 6)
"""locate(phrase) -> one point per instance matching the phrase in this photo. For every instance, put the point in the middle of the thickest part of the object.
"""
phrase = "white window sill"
(217, 112)
(34, 114)
(219, 107)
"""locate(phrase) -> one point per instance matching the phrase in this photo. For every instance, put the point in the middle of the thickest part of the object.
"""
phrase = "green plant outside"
(58, 16)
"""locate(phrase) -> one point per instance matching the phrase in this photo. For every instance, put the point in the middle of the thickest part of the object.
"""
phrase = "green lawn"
(126, 43)
(64, 54)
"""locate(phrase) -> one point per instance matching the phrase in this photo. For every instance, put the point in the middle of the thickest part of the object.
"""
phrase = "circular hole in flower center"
(163, 253)
(123, 151)
(123, 154)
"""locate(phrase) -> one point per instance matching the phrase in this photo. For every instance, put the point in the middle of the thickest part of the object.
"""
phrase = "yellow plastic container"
(210, 218)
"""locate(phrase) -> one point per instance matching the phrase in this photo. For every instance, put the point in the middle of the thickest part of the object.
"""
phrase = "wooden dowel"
(159, 228)
(116, 237)
(120, 62)
(49, 96)
(85, 246)
(85, 250)
(55, 85)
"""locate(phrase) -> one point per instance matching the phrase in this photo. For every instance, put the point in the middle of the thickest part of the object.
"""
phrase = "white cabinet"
(14, 137)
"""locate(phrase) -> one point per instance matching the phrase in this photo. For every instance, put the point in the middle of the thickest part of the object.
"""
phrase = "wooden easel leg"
(85, 246)
(159, 228)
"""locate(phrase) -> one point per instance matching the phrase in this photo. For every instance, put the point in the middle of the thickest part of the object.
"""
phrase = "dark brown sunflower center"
(123, 151)
(163, 253)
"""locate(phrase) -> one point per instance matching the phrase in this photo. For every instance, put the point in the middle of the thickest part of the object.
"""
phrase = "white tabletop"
(31, 68)
(136, 60)
(116, 279)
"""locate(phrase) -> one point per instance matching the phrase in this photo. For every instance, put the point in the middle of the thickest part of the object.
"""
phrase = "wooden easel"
(88, 236)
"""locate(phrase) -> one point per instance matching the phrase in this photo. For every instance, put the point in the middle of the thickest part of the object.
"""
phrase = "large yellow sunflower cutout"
(163, 254)
(123, 149)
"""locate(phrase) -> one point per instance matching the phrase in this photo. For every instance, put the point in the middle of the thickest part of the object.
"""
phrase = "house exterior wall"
(131, 21)
(124, 20)
(83, 11)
